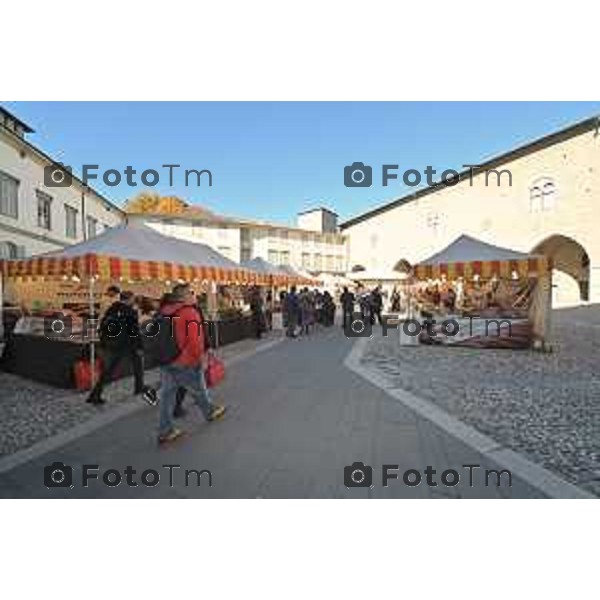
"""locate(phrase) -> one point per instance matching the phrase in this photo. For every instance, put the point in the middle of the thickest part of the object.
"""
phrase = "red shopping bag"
(215, 370)
(83, 373)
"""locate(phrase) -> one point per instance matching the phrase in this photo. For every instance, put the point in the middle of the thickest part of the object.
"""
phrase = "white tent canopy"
(290, 271)
(330, 279)
(136, 241)
(260, 265)
(467, 249)
(377, 275)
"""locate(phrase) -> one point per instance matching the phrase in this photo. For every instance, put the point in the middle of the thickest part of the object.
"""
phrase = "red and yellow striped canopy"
(112, 267)
(503, 269)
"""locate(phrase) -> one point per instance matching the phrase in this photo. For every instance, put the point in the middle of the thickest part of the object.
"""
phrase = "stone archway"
(571, 274)
(403, 266)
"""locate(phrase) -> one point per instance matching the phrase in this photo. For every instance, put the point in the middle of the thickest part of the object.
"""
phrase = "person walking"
(319, 307)
(257, 310)
(292, 310)
(347, 302)
(306, 311)
(151, 349)
(186, 370)
(376, 305)
(269, 310)
(328, 309)
(119, 339)
(396, 301)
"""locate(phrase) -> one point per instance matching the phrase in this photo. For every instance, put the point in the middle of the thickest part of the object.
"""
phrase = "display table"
(232, 330)
(51, 361)
(41, 359)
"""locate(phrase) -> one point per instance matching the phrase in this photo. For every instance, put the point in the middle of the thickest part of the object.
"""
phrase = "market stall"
(390, 282)
(499, 297)
(73, 282)
(298, 277)
(276, 276)
(334, 282)
(279, 278)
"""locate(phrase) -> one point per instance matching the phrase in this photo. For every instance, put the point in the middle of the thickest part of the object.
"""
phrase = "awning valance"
(135, 252)
(116, 268)
(467, 257)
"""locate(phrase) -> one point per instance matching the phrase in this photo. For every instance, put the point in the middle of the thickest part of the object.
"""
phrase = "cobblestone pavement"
(545, 406)
(31, 411)
(297, 418)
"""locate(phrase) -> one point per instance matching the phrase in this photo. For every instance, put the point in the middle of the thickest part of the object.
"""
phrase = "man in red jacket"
(187, 369)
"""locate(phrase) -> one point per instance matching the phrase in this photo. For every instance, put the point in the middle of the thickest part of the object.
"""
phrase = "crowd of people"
(303, 311)
(370, 305)
(182, 352)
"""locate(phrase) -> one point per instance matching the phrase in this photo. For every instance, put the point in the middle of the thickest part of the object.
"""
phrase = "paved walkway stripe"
(534, 474)
(7, 463)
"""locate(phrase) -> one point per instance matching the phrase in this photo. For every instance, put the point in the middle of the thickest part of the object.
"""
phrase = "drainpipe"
(83, 227)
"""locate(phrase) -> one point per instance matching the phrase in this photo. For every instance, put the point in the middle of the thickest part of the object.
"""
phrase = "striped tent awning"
(467, 257)
(274, 274)
(110, 268)
(135, 252)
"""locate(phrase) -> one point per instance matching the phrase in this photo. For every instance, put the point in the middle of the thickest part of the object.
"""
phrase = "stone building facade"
(550, 205)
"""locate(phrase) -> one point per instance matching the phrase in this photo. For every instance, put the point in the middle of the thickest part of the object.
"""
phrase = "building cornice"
(22, 143)
(542, 143)
(227, 221)
(36, 236)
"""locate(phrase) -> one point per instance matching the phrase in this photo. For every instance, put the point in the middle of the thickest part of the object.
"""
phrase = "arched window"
(535, 199)
(542, 195)
(548, 193)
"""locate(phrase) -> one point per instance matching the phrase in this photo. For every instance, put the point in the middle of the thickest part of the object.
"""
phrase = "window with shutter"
(70, 222)
(9, 195)
(44, 206)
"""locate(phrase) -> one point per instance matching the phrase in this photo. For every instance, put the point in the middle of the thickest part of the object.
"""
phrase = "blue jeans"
(190, 378)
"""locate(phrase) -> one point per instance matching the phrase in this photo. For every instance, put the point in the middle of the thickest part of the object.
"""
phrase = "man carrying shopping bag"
(186, 368)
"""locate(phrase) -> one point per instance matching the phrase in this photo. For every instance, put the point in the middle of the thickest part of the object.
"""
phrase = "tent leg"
(213, 309)
(1, 305)
(93, 342)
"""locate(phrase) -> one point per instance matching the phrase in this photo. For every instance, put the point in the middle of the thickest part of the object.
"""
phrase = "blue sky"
(272, 160)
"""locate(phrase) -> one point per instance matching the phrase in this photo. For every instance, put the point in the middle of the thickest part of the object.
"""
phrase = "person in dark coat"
(328, 309)
(257, 310)
(376, 305)
(347, 302)
(292, 310)
(119, 339)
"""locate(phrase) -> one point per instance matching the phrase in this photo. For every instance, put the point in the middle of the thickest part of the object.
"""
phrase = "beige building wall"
(240, 241)
(223, 238)
(515, 216)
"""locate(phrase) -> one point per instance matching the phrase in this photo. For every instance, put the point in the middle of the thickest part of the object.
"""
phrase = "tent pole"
(272, 307)
(548, 315)
(93, 342)
(1, 305)
(213, 309)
